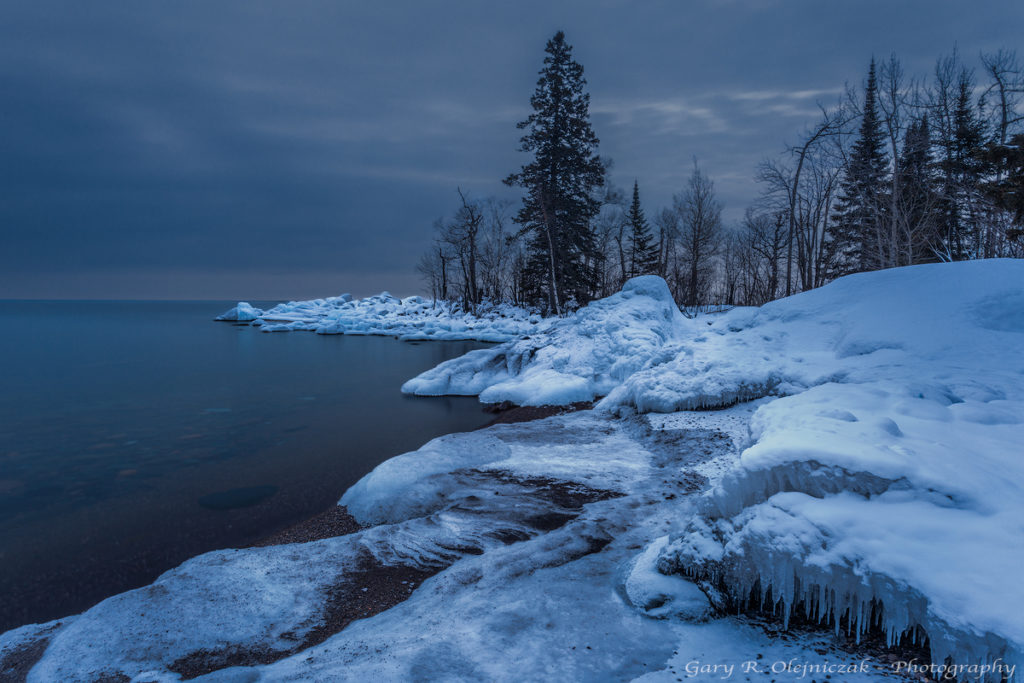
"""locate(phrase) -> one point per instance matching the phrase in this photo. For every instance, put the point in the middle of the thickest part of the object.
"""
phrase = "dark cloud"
(272, 149)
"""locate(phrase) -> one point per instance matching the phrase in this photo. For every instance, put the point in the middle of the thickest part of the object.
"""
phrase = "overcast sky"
(268, 150)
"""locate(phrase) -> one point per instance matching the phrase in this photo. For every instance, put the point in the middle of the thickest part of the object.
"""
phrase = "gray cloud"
(204, 148)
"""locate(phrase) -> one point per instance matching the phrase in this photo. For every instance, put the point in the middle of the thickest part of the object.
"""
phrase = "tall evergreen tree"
(918, 200)
(860, 208)
(967, 169)
(643, 252)
(1007, 188)
(560, 200)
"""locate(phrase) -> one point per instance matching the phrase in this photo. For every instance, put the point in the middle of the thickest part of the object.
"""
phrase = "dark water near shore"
(134, 435)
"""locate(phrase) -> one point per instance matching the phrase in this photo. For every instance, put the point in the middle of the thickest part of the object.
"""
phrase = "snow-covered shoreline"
(859, 463)
(413, 318)
(889, 461)
(540, 541)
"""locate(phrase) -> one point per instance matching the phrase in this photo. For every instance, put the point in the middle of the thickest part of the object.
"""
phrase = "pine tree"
(560, 184)
(861, 205)
(968, 169)
(1007, 188)
(918, 196)
(643, 252)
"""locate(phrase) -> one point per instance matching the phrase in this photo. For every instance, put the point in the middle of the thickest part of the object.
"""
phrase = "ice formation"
(577, 358)
(517, 535)
(243, 312)
(887, 490)
(888, 462)
(411, 318)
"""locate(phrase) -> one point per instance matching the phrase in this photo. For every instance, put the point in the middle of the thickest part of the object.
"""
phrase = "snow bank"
(411, 318)
(896, 393)
(886, 488)
(578, 358)
(930, 318)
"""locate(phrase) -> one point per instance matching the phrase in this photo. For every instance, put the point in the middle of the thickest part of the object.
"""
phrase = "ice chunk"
(242, 312)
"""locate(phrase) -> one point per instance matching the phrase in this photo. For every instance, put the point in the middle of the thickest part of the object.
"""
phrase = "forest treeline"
(899, 171)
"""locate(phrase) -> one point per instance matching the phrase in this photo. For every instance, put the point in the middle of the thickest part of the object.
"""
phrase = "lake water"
(134, 435)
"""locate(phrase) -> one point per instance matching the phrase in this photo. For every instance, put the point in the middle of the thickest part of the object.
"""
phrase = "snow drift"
(886, 489)
(411, 318)
(577, 358)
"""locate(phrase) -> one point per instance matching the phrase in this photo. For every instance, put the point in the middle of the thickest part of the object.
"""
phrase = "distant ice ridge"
(412, 318)
(577, 358)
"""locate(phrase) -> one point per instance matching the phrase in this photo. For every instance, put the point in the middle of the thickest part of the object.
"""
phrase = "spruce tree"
(918, 197)
(1007, 186)
(965, 240)
(643, 252)
(560, 184)
(861, 204)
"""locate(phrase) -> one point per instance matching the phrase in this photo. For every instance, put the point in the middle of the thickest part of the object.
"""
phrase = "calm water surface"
(134, 435)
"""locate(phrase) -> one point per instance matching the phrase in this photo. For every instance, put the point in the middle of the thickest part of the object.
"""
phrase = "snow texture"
(578, 358)
(544, 536)
(528, 524)
(888, 463)
(887, 488)
(411, 318)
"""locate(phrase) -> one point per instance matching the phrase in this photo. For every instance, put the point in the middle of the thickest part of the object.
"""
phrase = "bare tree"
(496, 250)
(667, 222)
(700, 223)
(473, 258)
(433, 266)
(1004, 92)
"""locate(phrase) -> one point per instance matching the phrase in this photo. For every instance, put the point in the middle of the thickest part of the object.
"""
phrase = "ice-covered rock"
(243, 312)
(578, 358)
(898, 392)
(417, 483)
(662, 595)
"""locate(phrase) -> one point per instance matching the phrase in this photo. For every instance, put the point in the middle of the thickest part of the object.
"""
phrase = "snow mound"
(578, 358)
(885, 489)
(411, 318)
(243, 312)
(858, 328)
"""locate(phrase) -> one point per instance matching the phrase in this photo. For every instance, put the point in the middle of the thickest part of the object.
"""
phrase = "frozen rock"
(243, 312)
(578, 358)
